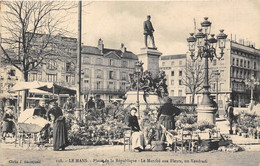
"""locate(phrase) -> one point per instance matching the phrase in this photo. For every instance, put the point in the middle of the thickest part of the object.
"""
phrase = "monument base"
(151, 101)
(206, 113)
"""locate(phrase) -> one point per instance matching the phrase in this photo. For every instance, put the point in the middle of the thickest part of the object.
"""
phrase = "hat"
(52, 101)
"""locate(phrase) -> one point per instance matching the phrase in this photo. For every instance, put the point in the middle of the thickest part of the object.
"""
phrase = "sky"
(119, 22)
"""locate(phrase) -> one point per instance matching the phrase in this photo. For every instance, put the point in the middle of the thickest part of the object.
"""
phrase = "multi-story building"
(239, 62)
(106, 71)
(174, 67)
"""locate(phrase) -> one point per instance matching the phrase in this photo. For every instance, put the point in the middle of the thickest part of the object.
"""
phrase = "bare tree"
(194, 76)
(30, 30)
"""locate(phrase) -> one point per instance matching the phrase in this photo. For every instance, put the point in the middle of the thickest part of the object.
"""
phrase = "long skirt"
(60, 136)
(167, 122)
(137, 140)
(8, 126)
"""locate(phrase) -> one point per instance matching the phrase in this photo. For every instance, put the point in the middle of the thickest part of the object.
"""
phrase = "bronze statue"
(148, 31)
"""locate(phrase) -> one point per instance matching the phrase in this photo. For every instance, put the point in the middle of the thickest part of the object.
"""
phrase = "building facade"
(239, 62)
(105, 71)
(174, 66)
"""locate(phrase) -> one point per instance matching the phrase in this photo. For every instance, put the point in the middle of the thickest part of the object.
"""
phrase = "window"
(111, 75)
(245, 63)
(111, 62)
(86, 60)
(254, 65)
(172, 63)
(213, 87)
(172, 73)
(172, 82)
(221, 86)
(180, 62)
(241, 63)
(214, 62)
(98, 84)
(180, 82)
(241, 74)
(68, 66)
(124, 63)
(123, 76)
(11, 72)
(123, 86)
(172, 92)
(248, 64)
(69, 79)
(99, 73)
(110, 85)
(179, 92)
(233, 62)
(163, 64)
(198, 100)
(180, 73)
(52, 65)
(33, 77)
(237, 62)
(52, 77)
(87, 73)
(99, 61)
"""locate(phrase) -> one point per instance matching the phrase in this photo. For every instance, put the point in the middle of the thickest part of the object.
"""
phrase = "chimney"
(100, 45)
(123, 48)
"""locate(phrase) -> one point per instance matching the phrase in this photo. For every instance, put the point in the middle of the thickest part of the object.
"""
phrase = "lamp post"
(252, 83)
(217, 74)
(206, 48)
(138, 66)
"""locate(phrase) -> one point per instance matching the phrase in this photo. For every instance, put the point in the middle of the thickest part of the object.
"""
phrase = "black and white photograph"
(130, 83)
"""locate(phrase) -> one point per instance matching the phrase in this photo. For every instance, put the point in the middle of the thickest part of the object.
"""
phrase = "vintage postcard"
(130, 82)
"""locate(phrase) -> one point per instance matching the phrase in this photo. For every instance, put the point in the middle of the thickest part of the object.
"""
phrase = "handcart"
(32, 131)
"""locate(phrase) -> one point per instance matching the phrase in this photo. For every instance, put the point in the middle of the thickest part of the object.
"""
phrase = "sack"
(158, 146)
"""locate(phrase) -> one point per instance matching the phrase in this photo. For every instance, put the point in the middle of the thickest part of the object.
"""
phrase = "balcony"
(105, 91)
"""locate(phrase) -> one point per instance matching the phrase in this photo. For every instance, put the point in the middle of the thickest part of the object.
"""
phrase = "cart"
(32, 131)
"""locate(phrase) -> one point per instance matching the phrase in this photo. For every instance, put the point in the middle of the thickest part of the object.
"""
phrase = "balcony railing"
(104, 91)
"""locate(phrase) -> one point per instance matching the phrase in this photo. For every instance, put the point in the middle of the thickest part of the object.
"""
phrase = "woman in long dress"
(8, 123)
(137, 135)
(60, 136)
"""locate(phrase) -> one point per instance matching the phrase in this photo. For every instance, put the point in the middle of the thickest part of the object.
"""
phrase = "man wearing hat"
(40, 110)
(68, 106)
(148, 31)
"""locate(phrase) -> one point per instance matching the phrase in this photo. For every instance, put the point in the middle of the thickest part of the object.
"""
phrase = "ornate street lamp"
(138, 68)
(206, 48)
(251, 84)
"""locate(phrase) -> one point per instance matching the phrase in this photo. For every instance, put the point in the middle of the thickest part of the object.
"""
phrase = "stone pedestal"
(150, 58)
(206, 113)
(151, 101)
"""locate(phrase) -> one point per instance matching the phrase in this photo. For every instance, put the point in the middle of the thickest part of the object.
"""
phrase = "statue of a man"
(148, 30)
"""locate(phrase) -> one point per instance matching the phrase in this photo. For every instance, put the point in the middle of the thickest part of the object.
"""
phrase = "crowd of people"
(49, 110)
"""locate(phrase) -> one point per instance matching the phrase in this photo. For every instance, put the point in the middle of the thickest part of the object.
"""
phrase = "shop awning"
(45, 86)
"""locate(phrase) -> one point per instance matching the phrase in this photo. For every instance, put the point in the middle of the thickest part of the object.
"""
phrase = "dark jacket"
(168, 109)
(148, 27)
(56, 112)
(133, 123)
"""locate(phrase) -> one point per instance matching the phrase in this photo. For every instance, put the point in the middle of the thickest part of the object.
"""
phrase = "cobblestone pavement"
(115, 155)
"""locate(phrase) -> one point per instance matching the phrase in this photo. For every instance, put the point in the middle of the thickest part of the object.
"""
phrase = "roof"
(177, 56)
(107, 51)
(91, 50)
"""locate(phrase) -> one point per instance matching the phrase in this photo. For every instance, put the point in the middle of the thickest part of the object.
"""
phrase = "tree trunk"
(25, 92)
(192, 97)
